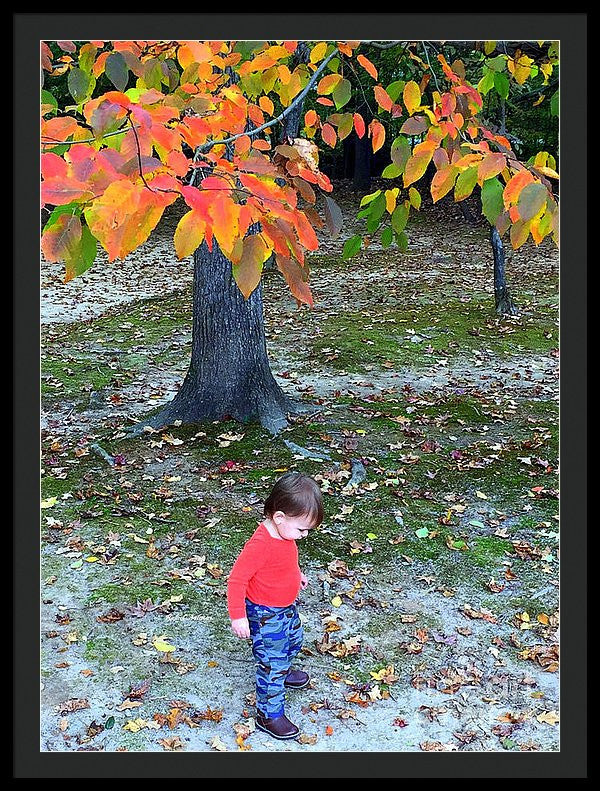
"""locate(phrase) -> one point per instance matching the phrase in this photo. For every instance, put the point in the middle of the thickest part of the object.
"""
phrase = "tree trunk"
(504, 303)
(362, 163)
(229, 373)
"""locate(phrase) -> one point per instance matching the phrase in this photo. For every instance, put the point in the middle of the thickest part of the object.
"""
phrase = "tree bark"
(229, 373)
(504, 303)
(362, 164)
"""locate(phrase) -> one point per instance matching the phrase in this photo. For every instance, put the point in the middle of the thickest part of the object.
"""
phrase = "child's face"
(292, 528)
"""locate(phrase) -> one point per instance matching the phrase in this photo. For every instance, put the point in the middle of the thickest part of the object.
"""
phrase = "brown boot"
(296, 679)
(277, 727)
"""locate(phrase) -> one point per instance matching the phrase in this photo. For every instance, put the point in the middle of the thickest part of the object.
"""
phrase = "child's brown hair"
(296, 494)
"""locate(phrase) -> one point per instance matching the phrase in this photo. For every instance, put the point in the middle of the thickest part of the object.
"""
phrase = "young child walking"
(261, 593)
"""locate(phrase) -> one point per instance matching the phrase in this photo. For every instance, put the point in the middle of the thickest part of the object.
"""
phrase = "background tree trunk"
(504, 303)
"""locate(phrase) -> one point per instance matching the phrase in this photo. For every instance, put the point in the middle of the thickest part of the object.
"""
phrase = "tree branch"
(87, 140)
(203, 149)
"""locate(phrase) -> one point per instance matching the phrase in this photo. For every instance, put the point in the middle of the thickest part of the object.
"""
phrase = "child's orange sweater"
(266, 572)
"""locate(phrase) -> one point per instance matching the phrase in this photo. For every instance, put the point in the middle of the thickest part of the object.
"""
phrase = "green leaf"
(422, 532)
(491, 199)
(465, 183)
(58, 150)
(342, 93)
(153, 74)
(400, 218)
(378, 207)
(334, 65)
(402, 241)
(400, 152)
(370, 197)
(246, 48)
(78, 83)
(395, 89)
(373, 224)
(86, 255)
(117, 71)
(109, 723)
(554, 104)
(387, 237)
(486, 83)
(391, 171)
(415, 198)
(496, 64)
(47, 98)
(67, 208)
(87, 56)
(173, 74)
(502, 85)
(531, 199)
(351, 247)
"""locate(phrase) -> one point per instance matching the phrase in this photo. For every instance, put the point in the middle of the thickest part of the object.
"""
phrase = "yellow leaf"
(412, 96)
(189, 234)
(481, 495)
(336, 601)
(318, 52)
(50, 502)
(92, 559)
(390, 199)
(161, 645)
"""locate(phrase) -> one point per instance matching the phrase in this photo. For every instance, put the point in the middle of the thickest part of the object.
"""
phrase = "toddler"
(261, 594)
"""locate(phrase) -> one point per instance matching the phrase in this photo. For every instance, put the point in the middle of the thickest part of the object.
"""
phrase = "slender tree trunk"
(229, 373)
(362, 164)
(504, 303)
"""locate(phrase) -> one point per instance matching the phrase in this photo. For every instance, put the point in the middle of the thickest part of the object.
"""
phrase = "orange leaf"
(225, 216)
(377, 135)
(329, 83)
(323, 100)
(242, 145)
(490, 166)
(311, 118)
(261, 145)
(329, 730)
(61, 240)
(59, 190)
(383, 98)
(266, 104)
(515, 185)
(443, 181)
(367, 66)
(416, 166)
(293, 277)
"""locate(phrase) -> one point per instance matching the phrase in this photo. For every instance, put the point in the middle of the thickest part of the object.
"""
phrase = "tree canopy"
(151, 122)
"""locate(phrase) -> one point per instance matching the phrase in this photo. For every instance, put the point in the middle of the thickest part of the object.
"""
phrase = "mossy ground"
(473, 462)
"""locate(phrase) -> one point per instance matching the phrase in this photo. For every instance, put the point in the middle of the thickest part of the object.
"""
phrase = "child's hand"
(240, 627)
(303, 581)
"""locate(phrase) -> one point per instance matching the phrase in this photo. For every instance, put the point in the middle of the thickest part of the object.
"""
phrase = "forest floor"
(431, 619)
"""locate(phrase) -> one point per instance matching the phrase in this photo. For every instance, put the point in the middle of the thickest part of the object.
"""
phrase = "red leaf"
(359, 124)
(329, 135)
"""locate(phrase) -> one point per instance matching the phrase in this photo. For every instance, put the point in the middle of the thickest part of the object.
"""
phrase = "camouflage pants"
(276, 639)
